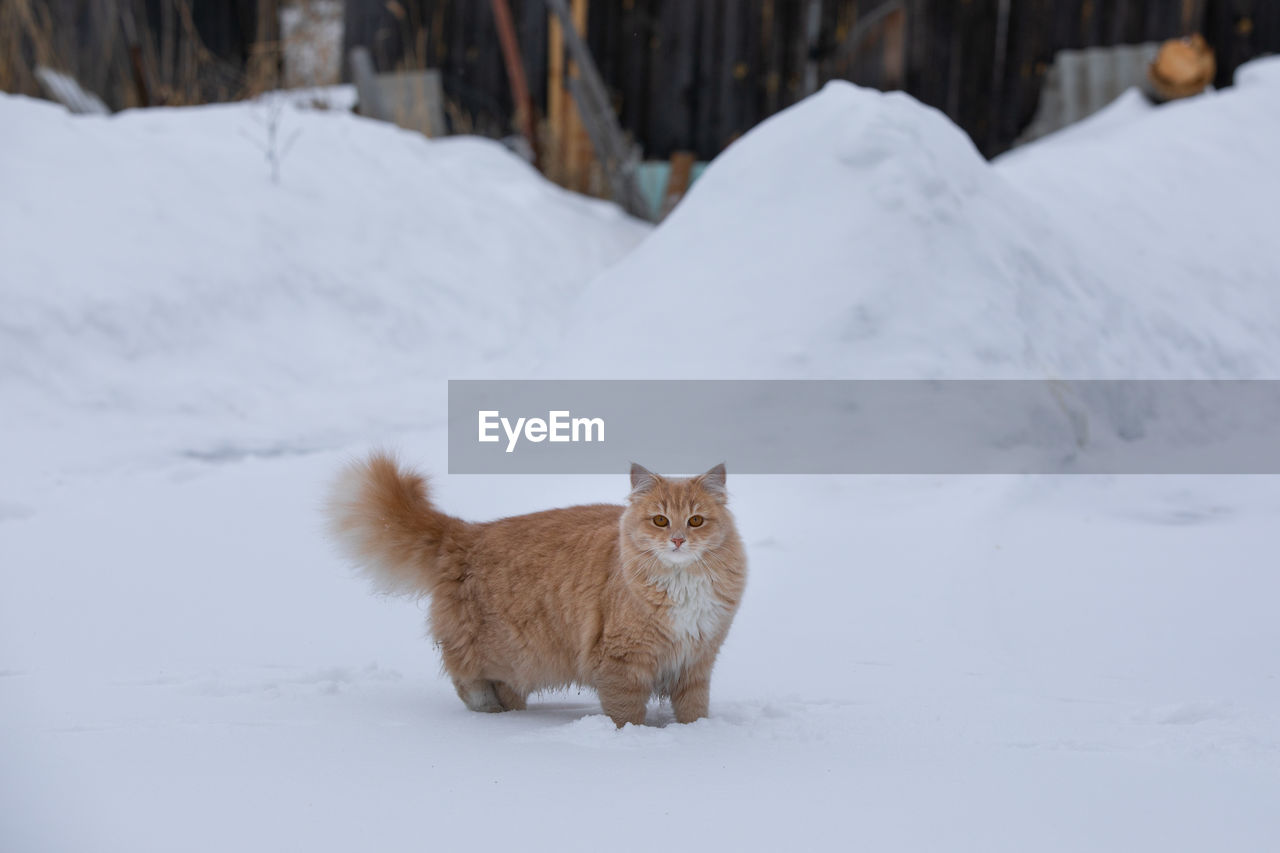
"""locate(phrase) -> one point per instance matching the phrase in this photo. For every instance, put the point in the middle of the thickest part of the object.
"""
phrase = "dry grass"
(108, 47)
(26, 40)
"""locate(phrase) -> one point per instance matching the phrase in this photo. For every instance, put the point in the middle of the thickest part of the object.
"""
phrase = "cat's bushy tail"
(382, 518)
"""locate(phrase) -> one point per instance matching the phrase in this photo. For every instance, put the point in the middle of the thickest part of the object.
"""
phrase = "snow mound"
(860, 235)
(1177, 210)
(152, 268)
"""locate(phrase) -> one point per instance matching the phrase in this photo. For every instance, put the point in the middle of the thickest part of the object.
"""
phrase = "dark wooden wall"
(695, 74)
(955, 63)
(459, 38)
(191, 51)
(684, 74)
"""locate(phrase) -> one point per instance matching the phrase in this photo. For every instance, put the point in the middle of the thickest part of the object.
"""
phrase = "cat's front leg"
(691, 693)
(623, 695)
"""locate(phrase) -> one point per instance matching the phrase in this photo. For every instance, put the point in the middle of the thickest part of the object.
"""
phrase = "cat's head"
(677, 520)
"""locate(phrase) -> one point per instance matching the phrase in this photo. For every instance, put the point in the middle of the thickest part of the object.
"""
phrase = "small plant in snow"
(270, 142)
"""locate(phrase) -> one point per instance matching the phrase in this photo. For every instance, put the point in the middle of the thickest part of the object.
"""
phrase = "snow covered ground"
(156, 279)
(189, 352)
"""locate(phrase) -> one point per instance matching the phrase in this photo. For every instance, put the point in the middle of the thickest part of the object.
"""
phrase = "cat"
(632, 601)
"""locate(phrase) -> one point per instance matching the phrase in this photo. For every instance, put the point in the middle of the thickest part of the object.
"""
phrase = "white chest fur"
(696, 615)
(695, 611)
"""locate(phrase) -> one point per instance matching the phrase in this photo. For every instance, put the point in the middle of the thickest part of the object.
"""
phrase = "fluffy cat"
(633, 601)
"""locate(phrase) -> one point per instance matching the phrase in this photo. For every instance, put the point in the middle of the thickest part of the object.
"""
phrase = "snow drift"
(860, 234)
(1175, 207)
(152, 270)
(919, 663)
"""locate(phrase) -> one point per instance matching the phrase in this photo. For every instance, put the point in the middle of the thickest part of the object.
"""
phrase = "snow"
(167, 268)
(861, 235)
(1186, 237)
(189, 353)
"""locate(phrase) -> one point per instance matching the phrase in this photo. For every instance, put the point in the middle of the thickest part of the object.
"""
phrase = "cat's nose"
(678, 540)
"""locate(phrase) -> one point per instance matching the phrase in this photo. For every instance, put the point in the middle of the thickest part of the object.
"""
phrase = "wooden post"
(1192, 15)
(577, 143)
(140, 89)
(555, 98)
(774, 55)
(515, 75)
(265, 62)
(678, 180)
(895, 49)
(812, 33)
(996, 108)
(617, 156)
(888, 22)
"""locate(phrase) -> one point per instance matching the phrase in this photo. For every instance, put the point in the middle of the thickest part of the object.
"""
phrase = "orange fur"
(598, 596)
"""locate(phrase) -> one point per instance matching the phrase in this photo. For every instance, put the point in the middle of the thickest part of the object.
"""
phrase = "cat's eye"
(695, 520)
(661, 520)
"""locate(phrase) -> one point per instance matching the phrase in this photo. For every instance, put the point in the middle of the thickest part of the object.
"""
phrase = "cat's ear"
(713, 482)
(642, 479)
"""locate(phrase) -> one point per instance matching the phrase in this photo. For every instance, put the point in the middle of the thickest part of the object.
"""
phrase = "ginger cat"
(633, 601)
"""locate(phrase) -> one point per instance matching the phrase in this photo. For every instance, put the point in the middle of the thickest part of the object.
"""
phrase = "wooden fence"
(692, 75)
(684, 75)
(144, 52)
